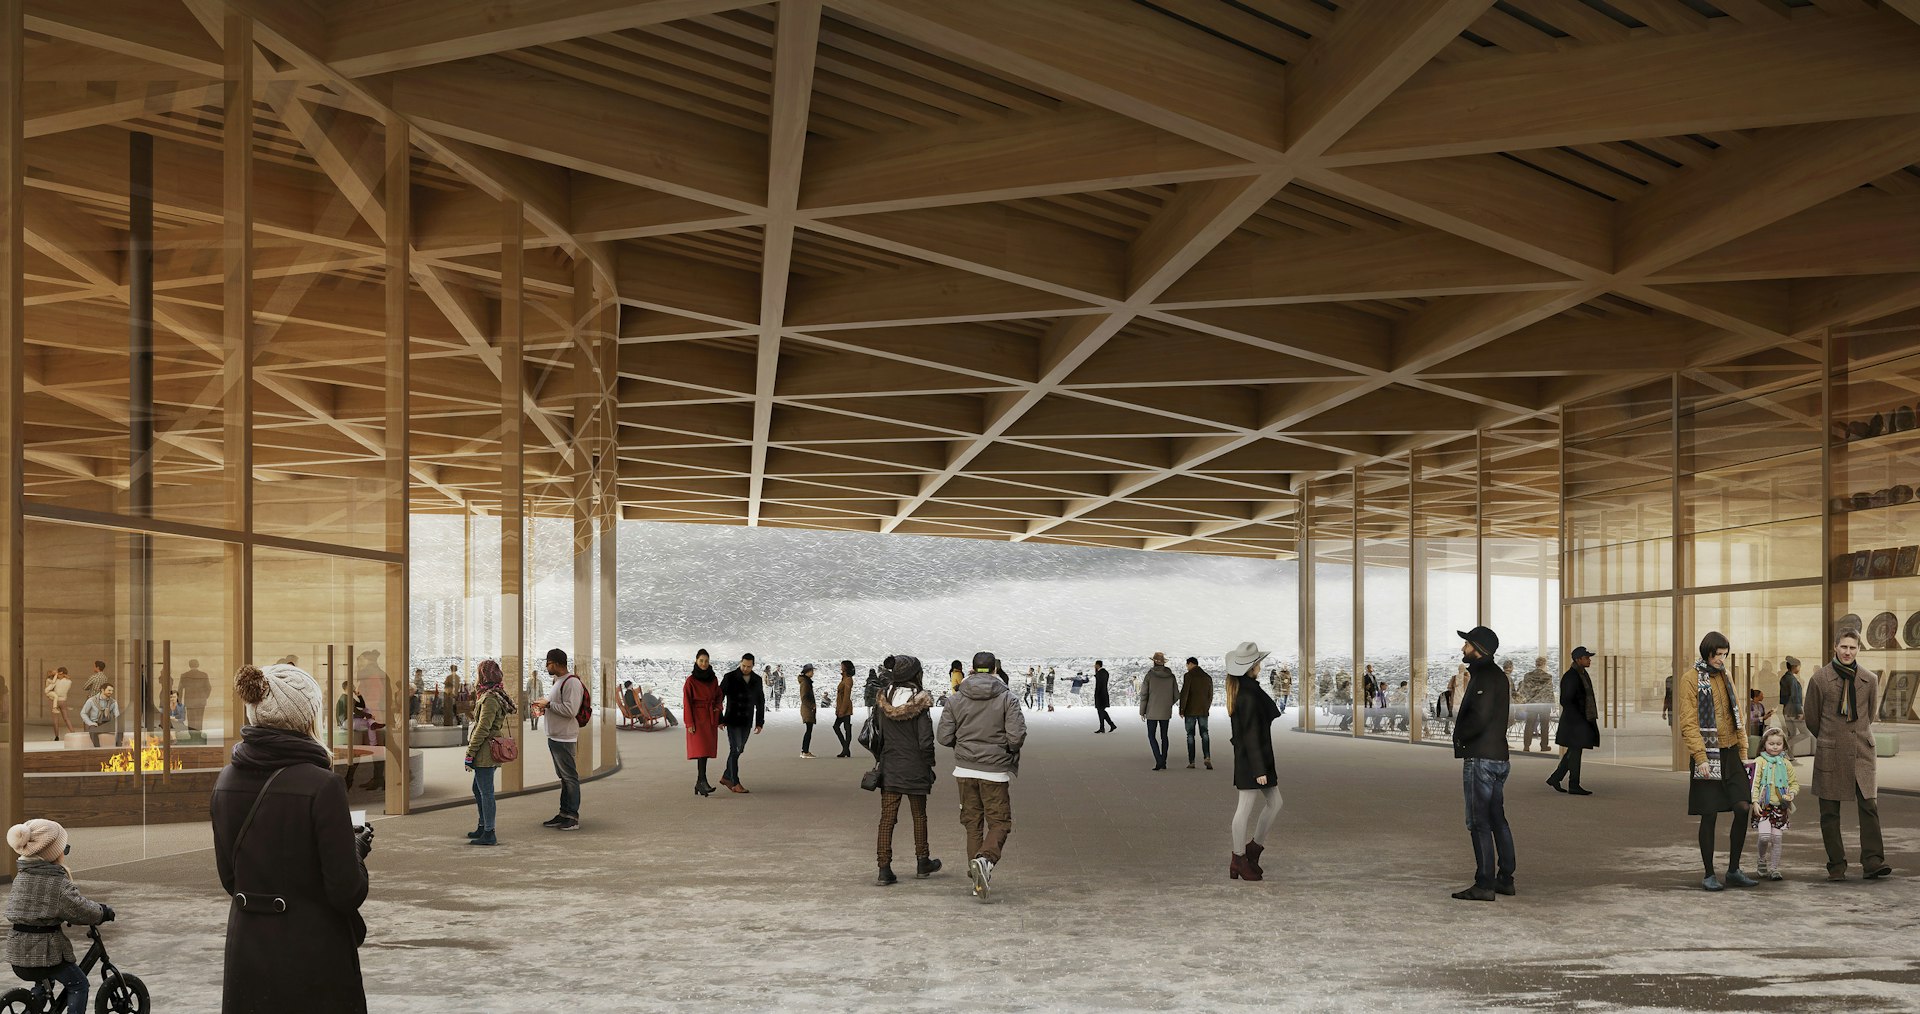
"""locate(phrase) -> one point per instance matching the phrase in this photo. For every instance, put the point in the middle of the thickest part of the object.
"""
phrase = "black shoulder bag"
(870, 740)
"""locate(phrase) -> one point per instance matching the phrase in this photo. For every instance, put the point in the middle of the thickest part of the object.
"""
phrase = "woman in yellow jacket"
(1709, 721)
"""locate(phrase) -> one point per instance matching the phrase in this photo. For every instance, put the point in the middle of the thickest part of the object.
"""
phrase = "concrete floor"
(1113, 896)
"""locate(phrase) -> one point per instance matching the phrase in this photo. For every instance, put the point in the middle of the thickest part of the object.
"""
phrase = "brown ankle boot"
(1254, 849)
(1238, 869)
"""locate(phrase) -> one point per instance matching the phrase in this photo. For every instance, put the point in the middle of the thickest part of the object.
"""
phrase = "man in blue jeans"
(1480, 740)
(562, 709)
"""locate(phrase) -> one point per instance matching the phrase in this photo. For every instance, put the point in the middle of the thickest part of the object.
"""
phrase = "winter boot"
(486, 837)
(926, 868)
(1237, 869)
(475, 833)
(885, 878)
(1254, 849)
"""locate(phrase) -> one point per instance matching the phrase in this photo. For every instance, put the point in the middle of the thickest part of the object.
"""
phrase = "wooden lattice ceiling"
(1105, 272)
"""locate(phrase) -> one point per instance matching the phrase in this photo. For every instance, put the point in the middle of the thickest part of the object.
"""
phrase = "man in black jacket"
(1100, 698)
(743, 712)
(1480, 740)
(1579, 723)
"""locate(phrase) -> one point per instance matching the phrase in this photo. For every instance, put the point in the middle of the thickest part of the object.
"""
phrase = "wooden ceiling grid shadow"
(1092, 272)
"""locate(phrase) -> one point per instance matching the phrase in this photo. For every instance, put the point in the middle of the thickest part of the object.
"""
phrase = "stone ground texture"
(1113, 896)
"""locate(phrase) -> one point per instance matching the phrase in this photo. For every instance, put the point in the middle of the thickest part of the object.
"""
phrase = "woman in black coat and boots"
(297, 869)
(1250, 714)
(906, 764)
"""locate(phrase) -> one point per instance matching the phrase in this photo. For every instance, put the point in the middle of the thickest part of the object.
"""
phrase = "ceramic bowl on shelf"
(1856, 430)
(1880, 498)
(1851, 621)
(1903, 419)
(1913, 630)
(1900, 494)
(1862, 501)
(1841, 504)
(1876, 425)
(1880, 633)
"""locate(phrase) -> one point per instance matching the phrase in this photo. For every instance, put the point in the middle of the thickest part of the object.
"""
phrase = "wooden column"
(607, 512)
(1359, 603)
(1303, 687)
(397, 184)
(238, 352)
(513, 473)
(1416, 608)
(586, 396)
(12, 395)
(1482, 580)
(1684, 646)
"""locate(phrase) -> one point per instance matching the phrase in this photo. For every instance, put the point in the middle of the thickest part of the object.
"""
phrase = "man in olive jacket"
(1158, 691)
(1841, 701)
(1196, 702)
(1480, 741)
(985, 729)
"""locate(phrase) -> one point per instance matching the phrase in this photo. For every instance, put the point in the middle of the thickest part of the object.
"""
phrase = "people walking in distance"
(1709, 722)
(1027, 689)
(40, 900)
(807, 705)
(1256, 783)
(1102, 698)
(492, 718)
(562, 709)
(1842, 699)
(700, 709)
(533, 692)
(1046, 698)
(955, 673)
(1792, 701)
(777, 683)
(1480, 741)
(1283, 689)
(1757, 713)
(877, 681)
(1579, 729)
(289, 855)
(1536, 689)
(743, 712)
(843, 709)
(1158, 691)
(1775, 784)
(985, 730)
(58, 685)
(1196, 703)
(905, 722)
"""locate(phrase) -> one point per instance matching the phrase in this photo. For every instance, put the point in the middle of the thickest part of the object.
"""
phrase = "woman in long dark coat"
(1250, 714)
(298, 875)
(807, 710)
(700, 707)
(905, 724)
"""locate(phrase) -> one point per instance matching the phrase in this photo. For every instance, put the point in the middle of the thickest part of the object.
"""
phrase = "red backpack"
(585, 714)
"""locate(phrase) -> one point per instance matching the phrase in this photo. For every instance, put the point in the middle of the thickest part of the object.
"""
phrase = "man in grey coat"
(983, 726)
(1158, 692)
(1841, 701)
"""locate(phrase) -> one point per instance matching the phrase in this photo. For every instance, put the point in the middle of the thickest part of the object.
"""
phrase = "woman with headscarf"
(700, 707)
(905, 724)
(1709, 721)
(289, 856)
(1250, 714)
(490, 722)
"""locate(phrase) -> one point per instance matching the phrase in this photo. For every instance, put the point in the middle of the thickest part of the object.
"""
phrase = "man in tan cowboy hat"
(1158, 692)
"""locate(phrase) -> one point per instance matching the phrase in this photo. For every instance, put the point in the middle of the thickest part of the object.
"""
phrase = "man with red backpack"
(567, 708)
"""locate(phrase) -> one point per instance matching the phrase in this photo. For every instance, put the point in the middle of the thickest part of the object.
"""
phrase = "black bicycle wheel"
(122, 994)
(19, 1001)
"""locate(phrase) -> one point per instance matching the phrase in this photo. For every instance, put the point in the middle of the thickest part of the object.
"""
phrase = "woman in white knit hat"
(43, 897)
(290, 856)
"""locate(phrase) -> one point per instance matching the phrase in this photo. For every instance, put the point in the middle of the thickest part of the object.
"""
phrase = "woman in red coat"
(700, 706)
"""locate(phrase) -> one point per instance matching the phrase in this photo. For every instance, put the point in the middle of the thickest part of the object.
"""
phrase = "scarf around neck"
(1709, 721)
(1849, 703)
(1775, 775)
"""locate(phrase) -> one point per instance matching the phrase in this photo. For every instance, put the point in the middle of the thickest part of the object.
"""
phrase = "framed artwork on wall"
(1907, 562)
(1861, 561)
(1881, 564)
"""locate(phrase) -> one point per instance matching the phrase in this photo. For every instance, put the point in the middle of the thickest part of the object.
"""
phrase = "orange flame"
(151, 760)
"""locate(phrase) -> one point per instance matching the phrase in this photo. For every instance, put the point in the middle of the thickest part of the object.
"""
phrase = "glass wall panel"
(1632, 640)
(1330, 520)
(1876, 530)
(1446, 485)
(1386, 564)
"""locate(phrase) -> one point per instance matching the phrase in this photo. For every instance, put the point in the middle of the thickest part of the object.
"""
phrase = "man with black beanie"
(1480, 740)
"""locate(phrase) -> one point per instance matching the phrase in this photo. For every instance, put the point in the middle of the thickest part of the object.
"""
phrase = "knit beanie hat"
(281, 696)
(38, 838)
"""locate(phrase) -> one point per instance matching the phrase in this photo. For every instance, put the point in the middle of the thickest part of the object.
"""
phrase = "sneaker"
(1735, 878)
(1775, 875)
(1711, 883)
(1208, 763)
(1877, 873)
(1189, 765)
(980, 871)
(570, 824)
(554, 821)
(805, 755)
